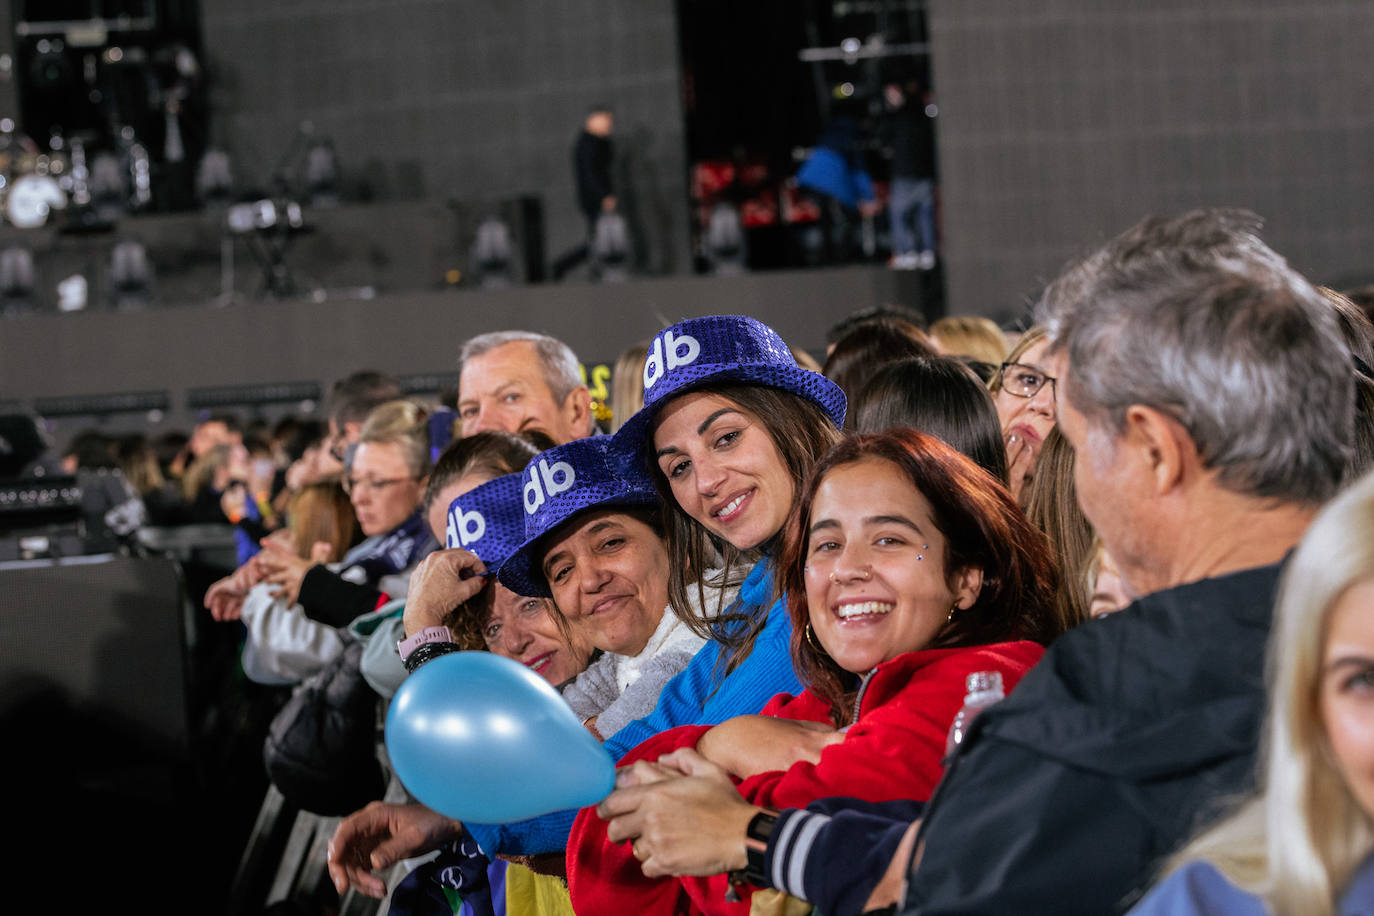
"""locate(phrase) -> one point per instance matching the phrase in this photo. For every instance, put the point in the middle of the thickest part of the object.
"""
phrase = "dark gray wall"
(48, 355)
(1062, 122)
(467, 100)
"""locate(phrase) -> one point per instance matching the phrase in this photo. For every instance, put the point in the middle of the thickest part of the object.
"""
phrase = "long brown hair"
(801, 431)
(322, 512)
(1052, 506)
(869, 347)
(983, 528)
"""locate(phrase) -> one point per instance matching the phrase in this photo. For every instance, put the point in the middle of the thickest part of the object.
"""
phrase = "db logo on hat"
(464, 528)
(579, 476)
(555, 478)
(487, 520)
(669, 352)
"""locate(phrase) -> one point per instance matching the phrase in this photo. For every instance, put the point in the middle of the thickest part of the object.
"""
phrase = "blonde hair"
(627, 384)
(971, 335)
(1028, 340)
(202, 471)
(1298, 842)
(404, 424)
(1052, 506)
(805, 359)
(138, 461)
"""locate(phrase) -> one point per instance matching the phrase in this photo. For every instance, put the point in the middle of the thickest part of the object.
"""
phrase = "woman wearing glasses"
(1023, 393)
(386, 484)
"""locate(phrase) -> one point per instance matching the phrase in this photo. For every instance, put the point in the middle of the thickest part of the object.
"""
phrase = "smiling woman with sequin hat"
(593, 541)
(730, 427)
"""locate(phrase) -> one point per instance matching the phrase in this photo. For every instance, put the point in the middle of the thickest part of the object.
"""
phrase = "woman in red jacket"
(908, 568)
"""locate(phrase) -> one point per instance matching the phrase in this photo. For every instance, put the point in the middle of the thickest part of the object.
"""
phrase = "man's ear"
(577, 407)
(967, 584)
(1162, 443)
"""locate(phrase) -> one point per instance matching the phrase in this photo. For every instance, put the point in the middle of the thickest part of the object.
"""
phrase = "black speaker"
(96, 647)
(94, 709)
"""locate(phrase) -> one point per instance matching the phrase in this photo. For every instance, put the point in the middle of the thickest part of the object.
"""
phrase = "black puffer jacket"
(1131, 733)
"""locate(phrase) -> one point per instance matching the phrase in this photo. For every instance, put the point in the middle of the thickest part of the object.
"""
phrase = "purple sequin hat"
(724, 348)
(564, 482)
(487, 521)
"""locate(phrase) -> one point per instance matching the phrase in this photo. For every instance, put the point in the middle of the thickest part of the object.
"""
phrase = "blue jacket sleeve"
(546, 833)
(690, 698)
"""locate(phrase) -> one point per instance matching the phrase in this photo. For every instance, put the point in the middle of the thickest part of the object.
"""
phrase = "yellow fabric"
(770, 901)
(530, 894)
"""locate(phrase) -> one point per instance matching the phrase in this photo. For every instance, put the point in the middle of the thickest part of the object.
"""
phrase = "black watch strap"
(755, 847)
(428, 652)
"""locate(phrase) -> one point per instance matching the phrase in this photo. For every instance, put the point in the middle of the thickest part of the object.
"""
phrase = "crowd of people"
(1076, 619)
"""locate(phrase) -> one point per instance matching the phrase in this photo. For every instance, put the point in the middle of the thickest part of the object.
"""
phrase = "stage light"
(724, 244)
(16, 279)
(322, 176)
(610, 248)
(261, 215)
(214, 179)
(109, 196)
(492, 253)
(131, 276)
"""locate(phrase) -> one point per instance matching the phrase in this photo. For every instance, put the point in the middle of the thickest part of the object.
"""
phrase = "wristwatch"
(428, 634)
(755, 847)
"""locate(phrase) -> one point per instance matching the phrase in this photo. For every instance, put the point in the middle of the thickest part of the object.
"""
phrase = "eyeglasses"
(1025, 381)
(337, 447)
(350, 484)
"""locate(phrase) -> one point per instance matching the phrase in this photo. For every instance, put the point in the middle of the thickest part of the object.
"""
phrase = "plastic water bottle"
(983, 688)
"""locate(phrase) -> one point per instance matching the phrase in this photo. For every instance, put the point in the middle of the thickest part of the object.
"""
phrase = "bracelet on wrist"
(428, 634)
(427, 652)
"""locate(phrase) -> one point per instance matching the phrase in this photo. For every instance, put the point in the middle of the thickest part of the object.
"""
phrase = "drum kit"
(36, 184)
(32, 184)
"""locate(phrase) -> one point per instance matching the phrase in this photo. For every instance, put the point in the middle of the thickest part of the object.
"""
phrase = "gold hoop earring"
(810, 636)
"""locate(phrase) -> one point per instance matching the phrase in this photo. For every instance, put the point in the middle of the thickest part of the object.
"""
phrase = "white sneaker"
(905, 261)
(925, 260)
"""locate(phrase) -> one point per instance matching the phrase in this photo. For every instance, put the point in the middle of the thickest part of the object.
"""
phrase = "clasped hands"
(684, 814)
(276, 564)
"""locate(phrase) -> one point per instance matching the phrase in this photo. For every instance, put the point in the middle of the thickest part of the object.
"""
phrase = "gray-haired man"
(517, 381)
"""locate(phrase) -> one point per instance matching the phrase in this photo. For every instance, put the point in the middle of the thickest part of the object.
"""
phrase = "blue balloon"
(483, 738)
